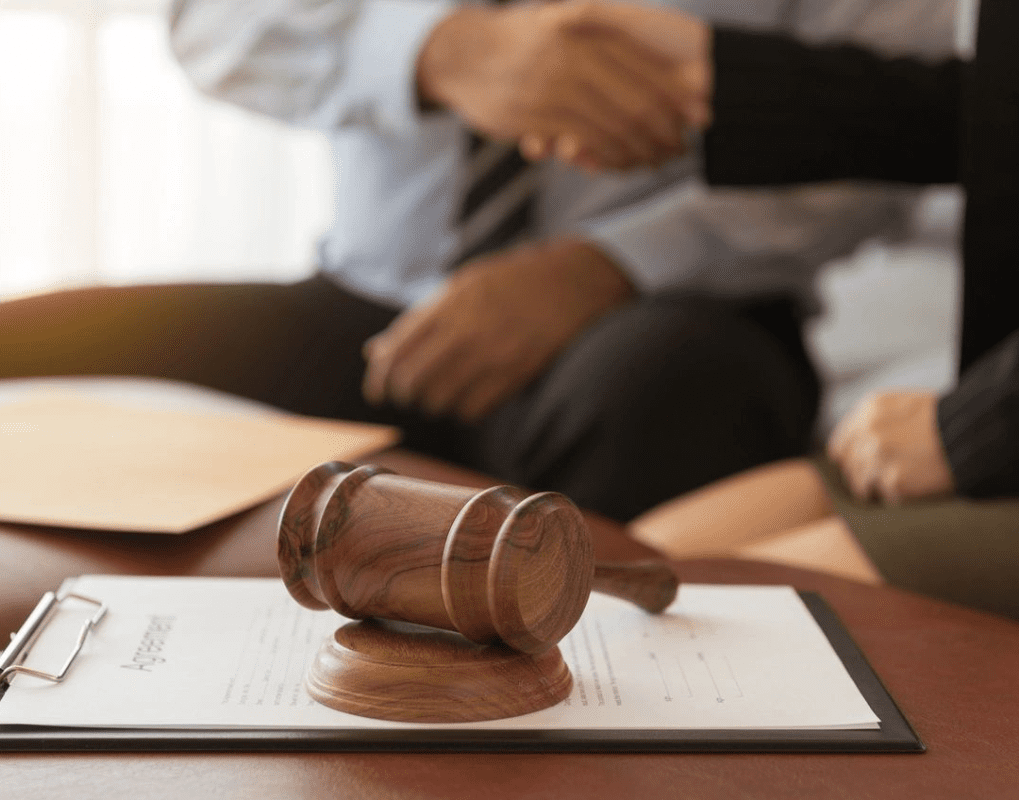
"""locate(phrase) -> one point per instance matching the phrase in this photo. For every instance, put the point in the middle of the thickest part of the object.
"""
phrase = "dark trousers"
(659, 397)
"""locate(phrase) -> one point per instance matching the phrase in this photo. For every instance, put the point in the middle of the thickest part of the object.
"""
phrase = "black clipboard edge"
(895, 734)
(895, 728)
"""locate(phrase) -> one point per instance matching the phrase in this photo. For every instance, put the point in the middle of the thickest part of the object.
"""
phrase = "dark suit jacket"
(786, 112)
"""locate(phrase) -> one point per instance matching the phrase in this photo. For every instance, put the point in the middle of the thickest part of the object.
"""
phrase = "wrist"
(601, 274)
(442, 56)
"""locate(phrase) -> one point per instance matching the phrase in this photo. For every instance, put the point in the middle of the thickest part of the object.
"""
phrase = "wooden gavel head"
(494, 565)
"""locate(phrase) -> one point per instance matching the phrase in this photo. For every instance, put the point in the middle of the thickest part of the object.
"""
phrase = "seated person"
(926, 484)
(614, 337)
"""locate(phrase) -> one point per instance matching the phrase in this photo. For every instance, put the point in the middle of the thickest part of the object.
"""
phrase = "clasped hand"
(596, 83)
(491, 328)
(888, 448)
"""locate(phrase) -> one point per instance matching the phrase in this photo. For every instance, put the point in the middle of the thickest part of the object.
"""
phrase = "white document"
(232, 653)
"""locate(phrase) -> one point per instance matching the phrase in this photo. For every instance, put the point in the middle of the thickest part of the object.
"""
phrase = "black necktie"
(499, 196)
(499, 199)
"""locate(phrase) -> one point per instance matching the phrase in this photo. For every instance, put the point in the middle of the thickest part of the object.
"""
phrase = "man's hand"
(566, 72)
(684, 40)
(492, 328)
(889, 448)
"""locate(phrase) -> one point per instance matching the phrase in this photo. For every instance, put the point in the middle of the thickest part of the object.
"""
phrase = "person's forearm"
(979, 424)
(786, 112)
(741, 240)
(441, 56)
(565, 72)
(306, 61)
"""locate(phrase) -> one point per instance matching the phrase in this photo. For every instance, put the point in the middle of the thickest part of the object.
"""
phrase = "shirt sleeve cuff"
(383, 58)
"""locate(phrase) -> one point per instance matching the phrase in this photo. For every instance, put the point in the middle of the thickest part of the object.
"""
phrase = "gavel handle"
(652, 585)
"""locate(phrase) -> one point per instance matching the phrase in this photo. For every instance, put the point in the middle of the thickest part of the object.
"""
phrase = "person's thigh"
(295, 346)
(661, 397)
(826, 546)
(736, 512)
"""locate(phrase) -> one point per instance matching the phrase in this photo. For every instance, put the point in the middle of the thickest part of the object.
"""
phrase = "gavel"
(495, 565)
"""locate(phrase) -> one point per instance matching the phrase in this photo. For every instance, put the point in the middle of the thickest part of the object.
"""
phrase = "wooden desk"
(34, 558)
(953, 672)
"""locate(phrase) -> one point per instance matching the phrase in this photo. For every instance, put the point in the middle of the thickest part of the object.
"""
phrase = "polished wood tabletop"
(951, 670)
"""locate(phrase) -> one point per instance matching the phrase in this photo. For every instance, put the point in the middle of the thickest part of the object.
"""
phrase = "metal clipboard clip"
(22, 641)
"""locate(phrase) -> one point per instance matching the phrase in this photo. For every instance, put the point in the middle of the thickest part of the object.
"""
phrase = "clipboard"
(894, 734)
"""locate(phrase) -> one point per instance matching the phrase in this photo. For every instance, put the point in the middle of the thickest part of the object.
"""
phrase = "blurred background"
(113, 170)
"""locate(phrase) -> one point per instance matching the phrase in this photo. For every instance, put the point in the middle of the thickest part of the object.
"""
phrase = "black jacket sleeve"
(786, 112)
(979, 424)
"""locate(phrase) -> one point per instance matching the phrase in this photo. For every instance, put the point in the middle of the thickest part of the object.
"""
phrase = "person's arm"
(901, 445)
(492, 327)
(686, 234)
(738, 241)
(550, 69)
(979, 424)
(309, 62)
(786, 112)
(562, 69)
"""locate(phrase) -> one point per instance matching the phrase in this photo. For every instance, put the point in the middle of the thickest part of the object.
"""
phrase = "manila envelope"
(74, 461)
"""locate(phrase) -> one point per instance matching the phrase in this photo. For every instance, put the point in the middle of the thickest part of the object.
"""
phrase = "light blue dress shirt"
(347, 67)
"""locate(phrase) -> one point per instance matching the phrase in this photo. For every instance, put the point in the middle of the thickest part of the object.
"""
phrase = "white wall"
(112, 169)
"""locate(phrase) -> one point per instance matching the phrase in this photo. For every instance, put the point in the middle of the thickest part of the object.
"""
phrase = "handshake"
(597, 84)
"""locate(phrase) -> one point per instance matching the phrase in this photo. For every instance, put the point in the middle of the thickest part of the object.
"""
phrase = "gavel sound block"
(460, 595)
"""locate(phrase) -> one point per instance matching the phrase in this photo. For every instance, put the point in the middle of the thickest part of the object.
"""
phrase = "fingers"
(566, 147)
(625, 90)
(440, 376)
(873, 479)
(662, 69)
(603, 84)
(627, 108)
(695, 79)
(441, 373)
(633, 132)
(615, 103)
(421, 372)
(861, 470)
(838, 441)
(593, 117)
(855, 450)
(888, 484)
(496, 380)
(491, 328)
(436, 375)
(386, 352)
(442, 395)
(888, 448)
(855, 454)
(597, 126)
(424, 361)
(536, 147)
(647, 86)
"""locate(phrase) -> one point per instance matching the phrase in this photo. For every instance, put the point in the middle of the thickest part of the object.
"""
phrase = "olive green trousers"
(966, 551)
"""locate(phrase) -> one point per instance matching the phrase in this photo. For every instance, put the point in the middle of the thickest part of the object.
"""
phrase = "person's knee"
(651, 401)
(656, 378)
